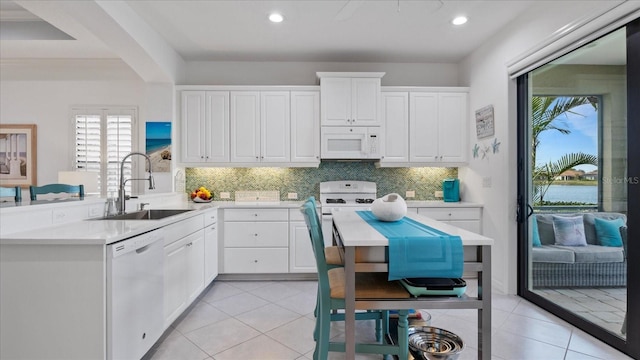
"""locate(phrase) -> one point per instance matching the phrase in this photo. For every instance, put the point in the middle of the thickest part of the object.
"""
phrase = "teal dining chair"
(34, 191)
(333, 258)
(331, 292)
(332, 254)
(16, 192)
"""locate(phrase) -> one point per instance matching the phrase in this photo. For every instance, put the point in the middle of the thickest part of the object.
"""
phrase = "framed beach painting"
(18, 155)
(158, 145)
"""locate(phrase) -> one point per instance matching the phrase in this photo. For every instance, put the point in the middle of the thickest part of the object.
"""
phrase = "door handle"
(530, 211)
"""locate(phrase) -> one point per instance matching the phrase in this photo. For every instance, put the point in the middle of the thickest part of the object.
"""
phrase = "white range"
(343, 196)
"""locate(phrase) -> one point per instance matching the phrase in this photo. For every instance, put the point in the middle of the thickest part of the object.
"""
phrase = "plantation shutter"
(102, 138)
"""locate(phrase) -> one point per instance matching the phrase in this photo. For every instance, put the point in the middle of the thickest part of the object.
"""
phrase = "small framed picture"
(18, 155)
(484, 122)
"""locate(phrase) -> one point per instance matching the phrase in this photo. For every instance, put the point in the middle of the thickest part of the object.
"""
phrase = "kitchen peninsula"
(63, 294)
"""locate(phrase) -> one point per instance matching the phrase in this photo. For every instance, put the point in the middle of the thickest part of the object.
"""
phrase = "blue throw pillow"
(569, 231)
(608, 232)
(535, 235)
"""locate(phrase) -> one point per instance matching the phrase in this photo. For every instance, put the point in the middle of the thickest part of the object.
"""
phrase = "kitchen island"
(352, 232)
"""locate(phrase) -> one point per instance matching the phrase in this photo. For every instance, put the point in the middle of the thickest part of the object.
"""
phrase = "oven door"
(350, 143)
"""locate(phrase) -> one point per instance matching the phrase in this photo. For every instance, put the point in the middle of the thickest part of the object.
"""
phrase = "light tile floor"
(274, 320)
(605, 307)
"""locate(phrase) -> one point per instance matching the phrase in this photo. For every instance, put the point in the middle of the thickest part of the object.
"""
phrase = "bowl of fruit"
(201, 195)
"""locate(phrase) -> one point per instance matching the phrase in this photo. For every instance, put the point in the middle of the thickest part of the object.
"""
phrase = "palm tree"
(545, 113)
(545, 175)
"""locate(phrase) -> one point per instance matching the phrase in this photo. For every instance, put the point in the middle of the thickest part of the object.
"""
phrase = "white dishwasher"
(135, 290)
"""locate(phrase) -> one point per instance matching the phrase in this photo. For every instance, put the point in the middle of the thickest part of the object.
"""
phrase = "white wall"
(485, 72)
(42, 91)
(304, 73)
(47, 104)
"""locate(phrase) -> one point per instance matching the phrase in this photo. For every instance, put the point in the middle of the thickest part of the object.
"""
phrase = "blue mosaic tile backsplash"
(306, 181)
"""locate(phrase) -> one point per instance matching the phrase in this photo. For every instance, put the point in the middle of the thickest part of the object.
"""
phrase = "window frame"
(104, 112)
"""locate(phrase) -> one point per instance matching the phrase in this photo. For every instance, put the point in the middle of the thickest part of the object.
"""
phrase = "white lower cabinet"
(195, 265)
(301, 258)
(468, 218)
(256, 241)
(210, 246)
(184, 257)
(255, 260)
(184, 274)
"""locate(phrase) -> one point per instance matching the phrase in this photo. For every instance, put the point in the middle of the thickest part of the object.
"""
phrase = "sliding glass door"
(576, 185)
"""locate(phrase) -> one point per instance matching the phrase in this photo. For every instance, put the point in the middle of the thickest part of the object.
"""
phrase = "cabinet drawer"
(256, 215)
(256, 260)
(182, 228)
(451, 213)
(256, 234)
(210, 217)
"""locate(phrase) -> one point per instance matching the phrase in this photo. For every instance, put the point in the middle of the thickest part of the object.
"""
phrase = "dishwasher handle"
(142, 249)
(139, 243)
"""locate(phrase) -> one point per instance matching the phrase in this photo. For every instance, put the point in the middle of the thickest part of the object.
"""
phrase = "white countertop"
(99, 232)
(440, 203)
(104, 232)
(355, 231)
(261, 205)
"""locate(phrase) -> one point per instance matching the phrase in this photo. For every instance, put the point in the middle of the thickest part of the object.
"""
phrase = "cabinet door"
(423, 122)
(217, 126)
(275, 143)
(365, 100)
(195, 265)
(301, 258)
(395, 115)
(210, 253)
(193, 126)
(452, 126)
(305, 126)
(335, 101)
(175, 287)
(245, 126)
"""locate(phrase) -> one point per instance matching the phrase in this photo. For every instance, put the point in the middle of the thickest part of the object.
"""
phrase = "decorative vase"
(390, 207)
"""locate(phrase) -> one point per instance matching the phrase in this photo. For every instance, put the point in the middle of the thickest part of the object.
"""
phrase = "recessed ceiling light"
(459, 20)
(276, 18)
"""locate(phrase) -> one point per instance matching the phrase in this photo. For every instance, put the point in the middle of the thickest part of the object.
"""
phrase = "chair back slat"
(308, 210)
(16, 192)
(34, 191)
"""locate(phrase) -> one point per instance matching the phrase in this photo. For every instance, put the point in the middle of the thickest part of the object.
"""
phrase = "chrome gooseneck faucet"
(121, 190)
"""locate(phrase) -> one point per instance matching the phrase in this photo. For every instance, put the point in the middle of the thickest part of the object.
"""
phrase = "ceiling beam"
(116, 25)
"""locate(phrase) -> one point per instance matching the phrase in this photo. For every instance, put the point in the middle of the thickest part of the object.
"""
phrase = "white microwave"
(340, 142)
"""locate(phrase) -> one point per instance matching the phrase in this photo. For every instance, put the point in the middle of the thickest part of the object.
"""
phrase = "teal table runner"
(417, 250)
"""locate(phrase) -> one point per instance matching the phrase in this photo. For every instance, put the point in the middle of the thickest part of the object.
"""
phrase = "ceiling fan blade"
(348, 10)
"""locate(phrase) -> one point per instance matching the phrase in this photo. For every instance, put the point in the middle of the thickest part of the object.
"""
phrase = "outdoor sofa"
(597, 258)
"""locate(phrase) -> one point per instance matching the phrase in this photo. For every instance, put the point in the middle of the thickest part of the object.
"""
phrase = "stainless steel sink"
(153, 214)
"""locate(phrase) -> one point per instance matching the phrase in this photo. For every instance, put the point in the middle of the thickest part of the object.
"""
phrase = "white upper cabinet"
(424, 137)
(260, 130)
(245, 126)
(275, 132)
(438, 127)
(452, 127)
(305, 126)
(205, 126)
(350, 99)
(395, 117)
(424, 128)
(250, 126)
